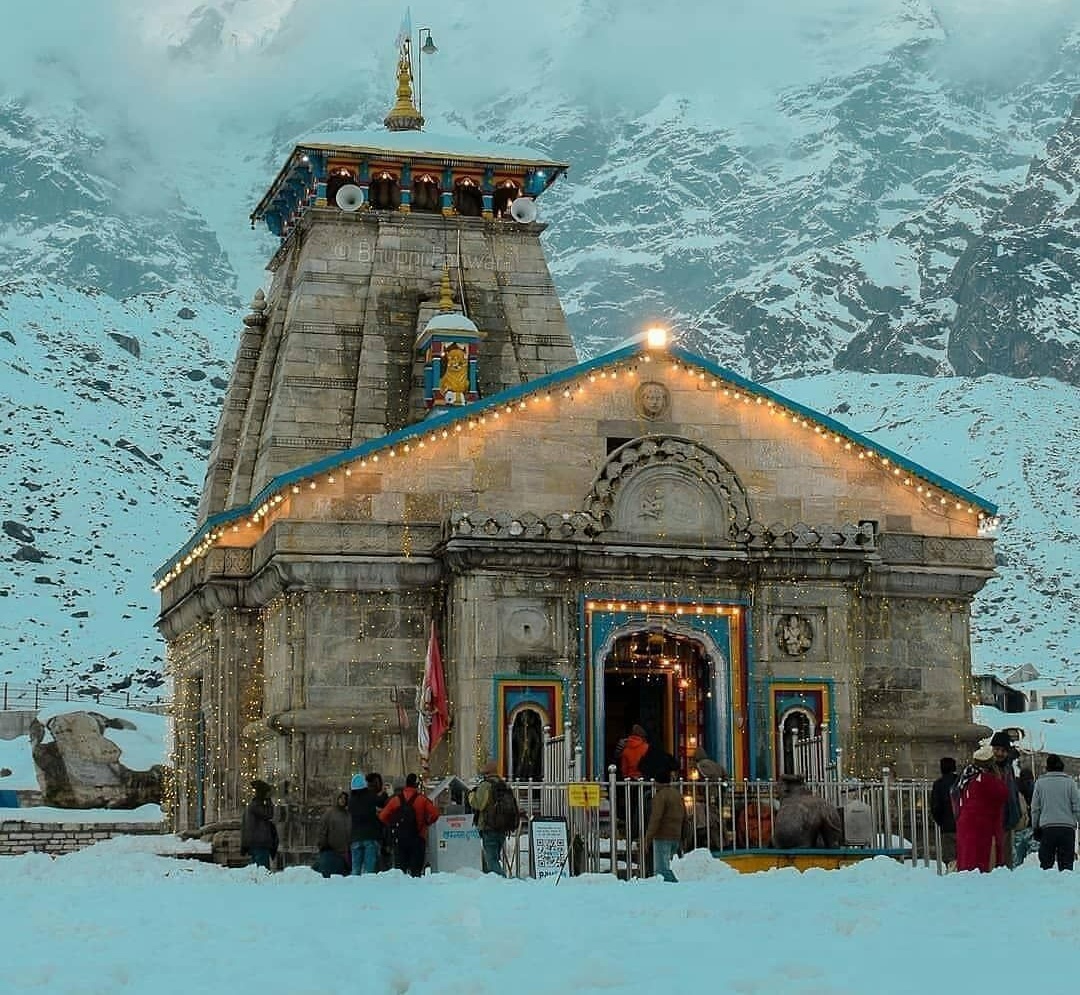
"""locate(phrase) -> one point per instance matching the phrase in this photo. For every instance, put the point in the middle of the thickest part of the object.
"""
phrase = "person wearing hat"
(258, 834)
(1055, 812)
(981, 795)
(1015, 815)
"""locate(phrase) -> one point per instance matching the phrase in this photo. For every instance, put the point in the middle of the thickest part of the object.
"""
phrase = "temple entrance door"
(662, 681)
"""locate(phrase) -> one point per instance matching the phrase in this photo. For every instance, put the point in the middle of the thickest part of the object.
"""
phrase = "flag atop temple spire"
(404, 34)
(404, 115)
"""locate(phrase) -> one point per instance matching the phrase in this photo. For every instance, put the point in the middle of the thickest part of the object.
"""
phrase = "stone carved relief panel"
(669, 502)
(666, 487)
(794, 635)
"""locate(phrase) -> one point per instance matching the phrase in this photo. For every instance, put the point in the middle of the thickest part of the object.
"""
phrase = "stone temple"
(409, 439)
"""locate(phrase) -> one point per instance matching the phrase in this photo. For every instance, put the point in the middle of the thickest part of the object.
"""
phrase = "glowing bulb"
(656, 337)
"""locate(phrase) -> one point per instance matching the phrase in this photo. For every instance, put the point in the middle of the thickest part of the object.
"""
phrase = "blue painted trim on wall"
(591, 675)
(544, 384)
(830, 683)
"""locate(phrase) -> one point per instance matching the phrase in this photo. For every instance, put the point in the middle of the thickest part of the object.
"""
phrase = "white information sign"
(549, 847)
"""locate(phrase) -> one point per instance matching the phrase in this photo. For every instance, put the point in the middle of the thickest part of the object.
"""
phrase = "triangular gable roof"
(513, 398)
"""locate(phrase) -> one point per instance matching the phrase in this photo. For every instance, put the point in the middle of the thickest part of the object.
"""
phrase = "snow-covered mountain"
(872, 203)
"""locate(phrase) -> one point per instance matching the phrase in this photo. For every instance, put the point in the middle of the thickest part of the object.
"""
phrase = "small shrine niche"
(450, 347)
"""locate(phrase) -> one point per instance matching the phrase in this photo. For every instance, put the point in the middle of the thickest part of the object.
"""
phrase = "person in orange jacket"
(630, 751)
(408, 815)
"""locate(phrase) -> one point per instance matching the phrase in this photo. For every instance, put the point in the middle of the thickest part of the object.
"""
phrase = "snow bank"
(118, 918)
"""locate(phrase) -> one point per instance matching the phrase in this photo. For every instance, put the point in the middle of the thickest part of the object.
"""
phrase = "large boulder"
(78, 766)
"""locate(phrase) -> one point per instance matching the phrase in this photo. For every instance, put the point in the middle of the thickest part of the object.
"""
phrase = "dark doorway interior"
(662, 681)
(633, 699)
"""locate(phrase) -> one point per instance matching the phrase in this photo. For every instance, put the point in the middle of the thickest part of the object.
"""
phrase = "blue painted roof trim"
(546, 383)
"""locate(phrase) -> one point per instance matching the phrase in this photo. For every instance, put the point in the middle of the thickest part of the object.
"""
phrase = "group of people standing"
(988, 815)
(368, 829)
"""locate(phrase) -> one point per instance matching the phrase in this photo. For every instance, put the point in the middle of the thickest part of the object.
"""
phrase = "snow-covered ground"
(116, 918)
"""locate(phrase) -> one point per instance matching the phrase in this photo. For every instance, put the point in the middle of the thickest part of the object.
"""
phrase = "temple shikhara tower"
(409, 440)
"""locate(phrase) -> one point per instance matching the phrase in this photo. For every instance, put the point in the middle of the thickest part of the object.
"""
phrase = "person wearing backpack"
(408, 815)
(496, 815)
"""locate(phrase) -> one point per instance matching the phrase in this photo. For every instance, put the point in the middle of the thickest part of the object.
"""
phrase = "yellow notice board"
(584, 795)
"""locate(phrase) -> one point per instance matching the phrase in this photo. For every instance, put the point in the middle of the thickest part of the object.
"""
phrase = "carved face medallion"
(652, 400)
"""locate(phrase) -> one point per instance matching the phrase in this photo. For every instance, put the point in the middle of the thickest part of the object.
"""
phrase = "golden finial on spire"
(446, 297)
(403, 115)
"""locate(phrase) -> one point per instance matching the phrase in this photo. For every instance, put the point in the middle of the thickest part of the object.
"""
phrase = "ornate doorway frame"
(721, 627)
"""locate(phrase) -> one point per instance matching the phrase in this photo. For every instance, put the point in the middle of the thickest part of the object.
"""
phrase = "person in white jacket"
(1055, 812)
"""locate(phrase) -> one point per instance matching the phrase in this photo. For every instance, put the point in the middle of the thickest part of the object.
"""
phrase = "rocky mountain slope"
(844, 199)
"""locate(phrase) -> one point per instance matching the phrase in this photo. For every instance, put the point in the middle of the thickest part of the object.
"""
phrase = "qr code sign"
(549, 848)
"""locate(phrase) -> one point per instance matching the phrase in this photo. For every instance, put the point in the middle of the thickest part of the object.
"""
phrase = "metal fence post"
(613, 803)
(886, 806)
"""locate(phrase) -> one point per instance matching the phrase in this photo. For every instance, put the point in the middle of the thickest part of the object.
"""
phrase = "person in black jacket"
(365, 801)
(335, 831)
(258, 834)
(941, 809)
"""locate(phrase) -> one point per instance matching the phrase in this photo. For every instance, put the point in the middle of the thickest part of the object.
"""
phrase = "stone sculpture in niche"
(794, 634)
(652, 400)
(454, 383)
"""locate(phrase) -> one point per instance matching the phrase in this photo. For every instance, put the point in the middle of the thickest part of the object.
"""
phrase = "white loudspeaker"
(350, 197)
(523, 209)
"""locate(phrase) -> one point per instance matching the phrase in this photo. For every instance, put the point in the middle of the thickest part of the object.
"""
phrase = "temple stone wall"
(545, 458)
(337, 661)
(502, 624)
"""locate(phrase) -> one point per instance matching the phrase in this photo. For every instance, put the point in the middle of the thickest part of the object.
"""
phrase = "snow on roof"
(451, 321)
(429, 143)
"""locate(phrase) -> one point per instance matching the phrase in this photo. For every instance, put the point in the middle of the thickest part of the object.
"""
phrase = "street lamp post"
(425, 45)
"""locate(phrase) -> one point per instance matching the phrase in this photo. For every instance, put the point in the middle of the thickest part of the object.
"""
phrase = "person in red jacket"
(630, 752)
(408, 815)
(980, 823)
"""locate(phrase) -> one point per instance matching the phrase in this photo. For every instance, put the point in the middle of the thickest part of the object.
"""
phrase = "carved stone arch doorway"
(689, 668)
(669, 488)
